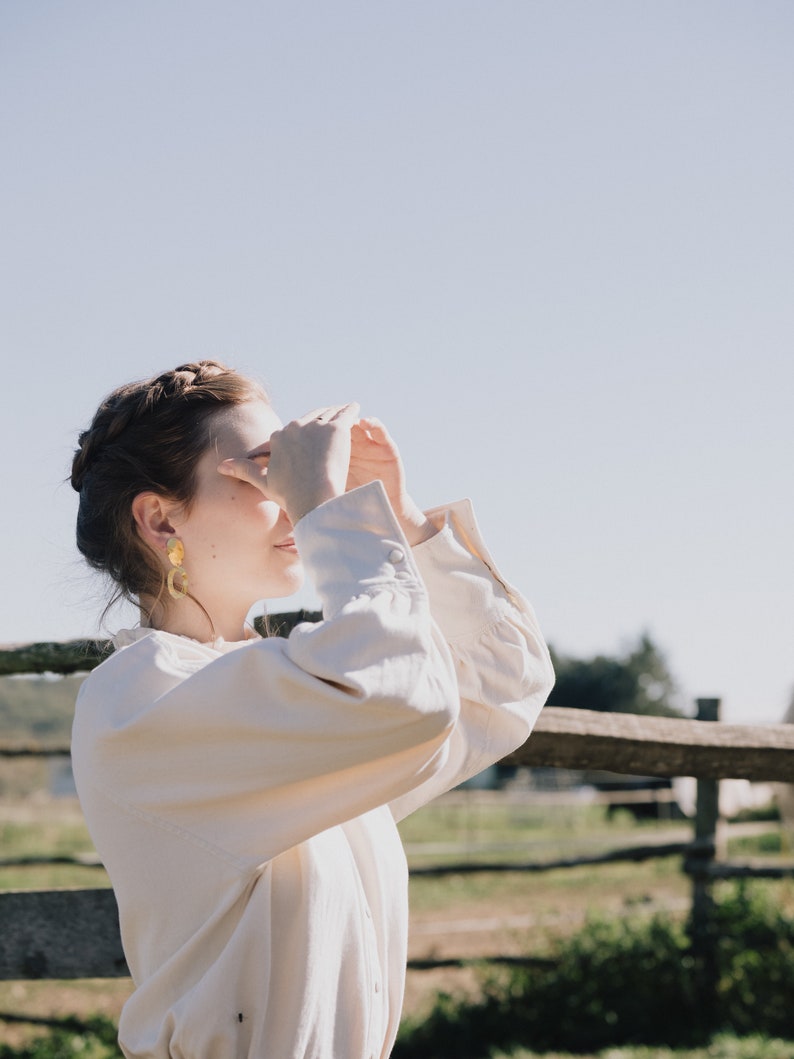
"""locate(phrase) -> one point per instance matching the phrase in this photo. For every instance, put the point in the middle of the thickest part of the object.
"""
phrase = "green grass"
(721, 1047)
(486, 829)
(43, 837)
(768, 843)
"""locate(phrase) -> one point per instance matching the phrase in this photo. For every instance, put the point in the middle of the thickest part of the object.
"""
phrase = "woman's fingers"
(246, 470)
(330, 414)
(372, 440)
(337, 413)
(373, 426)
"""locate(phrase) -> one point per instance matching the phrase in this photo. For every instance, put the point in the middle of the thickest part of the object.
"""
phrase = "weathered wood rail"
(619, 742)
(75, 933)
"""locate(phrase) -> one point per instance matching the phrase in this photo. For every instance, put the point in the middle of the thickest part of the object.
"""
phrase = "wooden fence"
(75, 933)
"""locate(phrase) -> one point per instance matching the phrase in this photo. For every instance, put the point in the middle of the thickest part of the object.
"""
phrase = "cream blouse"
(244, 796)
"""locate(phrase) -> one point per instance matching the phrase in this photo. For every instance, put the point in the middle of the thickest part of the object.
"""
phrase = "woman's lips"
(288, 544)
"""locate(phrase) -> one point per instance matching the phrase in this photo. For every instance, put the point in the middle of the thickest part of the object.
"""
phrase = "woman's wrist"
(308, 500)
(416, 526)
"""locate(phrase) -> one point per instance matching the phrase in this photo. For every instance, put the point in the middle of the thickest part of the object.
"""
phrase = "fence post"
(707, 826)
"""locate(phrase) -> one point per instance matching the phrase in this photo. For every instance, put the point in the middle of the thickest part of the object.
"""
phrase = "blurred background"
(548, 243)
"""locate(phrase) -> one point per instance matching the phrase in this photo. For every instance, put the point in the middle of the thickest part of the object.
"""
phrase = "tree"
(639, 681)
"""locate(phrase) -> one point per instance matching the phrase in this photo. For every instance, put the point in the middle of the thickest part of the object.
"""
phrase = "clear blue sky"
(550, 244)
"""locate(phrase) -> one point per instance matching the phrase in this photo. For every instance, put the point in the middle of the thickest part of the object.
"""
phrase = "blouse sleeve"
(259, 748)
(502, 665)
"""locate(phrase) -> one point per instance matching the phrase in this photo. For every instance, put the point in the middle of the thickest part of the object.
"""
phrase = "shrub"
(755, 963)
(627, 982)
(74, 1039)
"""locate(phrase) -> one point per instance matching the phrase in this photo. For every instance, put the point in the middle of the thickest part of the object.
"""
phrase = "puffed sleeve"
(502, 665)
(255, 750)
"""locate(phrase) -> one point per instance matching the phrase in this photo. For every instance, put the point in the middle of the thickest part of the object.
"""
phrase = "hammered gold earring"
(176, 555)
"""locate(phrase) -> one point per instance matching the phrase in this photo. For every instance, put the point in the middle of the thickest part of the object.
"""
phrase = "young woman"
(243, 792)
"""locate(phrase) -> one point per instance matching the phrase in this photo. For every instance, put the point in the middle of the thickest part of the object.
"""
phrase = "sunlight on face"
(238, 543)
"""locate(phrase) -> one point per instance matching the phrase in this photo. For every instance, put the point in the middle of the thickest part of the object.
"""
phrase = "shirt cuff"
(467, 592)
(352, 545)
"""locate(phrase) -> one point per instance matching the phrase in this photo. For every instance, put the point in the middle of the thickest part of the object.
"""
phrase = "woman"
(243, 792)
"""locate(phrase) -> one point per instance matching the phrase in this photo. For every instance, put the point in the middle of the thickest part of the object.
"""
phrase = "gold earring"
(176, 554)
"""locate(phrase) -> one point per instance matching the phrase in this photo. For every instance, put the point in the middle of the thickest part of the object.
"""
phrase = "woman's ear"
(152, 519)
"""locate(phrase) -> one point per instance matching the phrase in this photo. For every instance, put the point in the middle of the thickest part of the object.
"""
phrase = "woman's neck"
(187, 617)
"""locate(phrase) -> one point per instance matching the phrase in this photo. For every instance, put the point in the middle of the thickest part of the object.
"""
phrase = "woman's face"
(238, 544)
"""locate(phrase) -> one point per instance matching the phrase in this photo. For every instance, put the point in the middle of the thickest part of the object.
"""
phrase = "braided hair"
(146, 436)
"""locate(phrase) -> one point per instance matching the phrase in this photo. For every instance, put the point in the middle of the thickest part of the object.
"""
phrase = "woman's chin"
(290, 582)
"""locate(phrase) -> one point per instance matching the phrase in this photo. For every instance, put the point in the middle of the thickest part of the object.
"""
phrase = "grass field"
(720, 1048)
(456, 916)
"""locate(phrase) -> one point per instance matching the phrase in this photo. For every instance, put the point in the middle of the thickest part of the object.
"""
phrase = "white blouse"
(243, 796)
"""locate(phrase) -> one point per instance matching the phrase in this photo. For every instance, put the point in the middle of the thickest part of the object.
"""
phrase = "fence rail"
(75, 933)
(619, 742)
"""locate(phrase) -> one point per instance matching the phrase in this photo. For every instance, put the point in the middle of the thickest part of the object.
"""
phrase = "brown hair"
(146, 436)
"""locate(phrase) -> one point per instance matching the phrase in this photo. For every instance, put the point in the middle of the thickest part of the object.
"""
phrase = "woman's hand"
(308, 462)
(374, 455)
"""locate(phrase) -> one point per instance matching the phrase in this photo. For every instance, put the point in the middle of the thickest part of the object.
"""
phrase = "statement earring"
(176, 554)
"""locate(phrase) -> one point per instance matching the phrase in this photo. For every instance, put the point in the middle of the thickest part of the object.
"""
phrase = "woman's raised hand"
(374, 454)
(308, 462)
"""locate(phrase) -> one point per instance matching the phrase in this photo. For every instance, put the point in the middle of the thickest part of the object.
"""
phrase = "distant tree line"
(636, 681)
